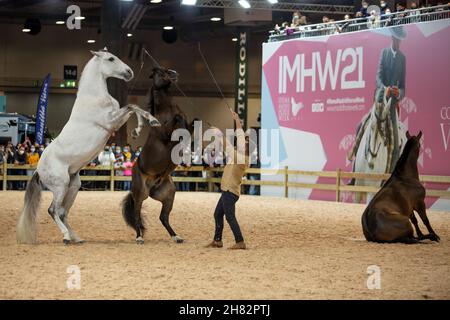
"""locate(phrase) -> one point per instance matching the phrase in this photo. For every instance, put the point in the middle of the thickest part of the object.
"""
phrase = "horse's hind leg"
(421, 210)
(59, 188)
(133, 204)
(74, 187)
(165, 193)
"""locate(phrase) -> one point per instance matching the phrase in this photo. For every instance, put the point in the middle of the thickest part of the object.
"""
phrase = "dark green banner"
(241, 86)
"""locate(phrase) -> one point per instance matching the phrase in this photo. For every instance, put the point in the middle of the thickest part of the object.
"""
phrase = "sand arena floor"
(297, 250)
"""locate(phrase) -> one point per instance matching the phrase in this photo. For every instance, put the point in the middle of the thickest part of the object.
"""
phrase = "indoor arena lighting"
(244, 4)
(189, 2)
(60, 22)
(80, 18)
(155, 1)
(215, 19)
(26, 30)
(91, 41)
(234, 39)
(273, 1)
(168, 28)
(129, 35)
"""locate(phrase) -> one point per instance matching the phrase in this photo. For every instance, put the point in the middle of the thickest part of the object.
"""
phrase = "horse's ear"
(408, 135)
(419, 135)
(105, 49)
(95, 53)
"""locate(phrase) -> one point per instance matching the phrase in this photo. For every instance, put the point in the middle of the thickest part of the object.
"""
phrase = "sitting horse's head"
(163, 78)
(111, 66)
(413, 143)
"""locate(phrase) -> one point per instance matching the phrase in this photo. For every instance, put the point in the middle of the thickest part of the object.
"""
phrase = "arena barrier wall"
(334, 179)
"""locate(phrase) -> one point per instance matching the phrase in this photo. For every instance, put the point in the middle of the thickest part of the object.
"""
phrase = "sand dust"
(297, 250)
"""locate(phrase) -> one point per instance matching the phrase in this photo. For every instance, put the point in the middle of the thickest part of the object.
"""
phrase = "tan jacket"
(232, 176)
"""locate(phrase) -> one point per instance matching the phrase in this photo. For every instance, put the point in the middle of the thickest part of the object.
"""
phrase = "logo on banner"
(241, 99)
(41, 113)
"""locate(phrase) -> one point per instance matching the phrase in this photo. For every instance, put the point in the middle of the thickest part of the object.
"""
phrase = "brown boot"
(215, 244)
(239, 245)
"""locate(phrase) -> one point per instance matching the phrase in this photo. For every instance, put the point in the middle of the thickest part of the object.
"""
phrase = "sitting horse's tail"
(26, 227)
(129, 215)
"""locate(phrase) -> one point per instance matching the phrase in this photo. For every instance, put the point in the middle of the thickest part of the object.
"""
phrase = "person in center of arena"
(231, 190)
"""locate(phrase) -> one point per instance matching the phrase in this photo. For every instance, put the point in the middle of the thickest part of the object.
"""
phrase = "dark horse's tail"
(129, 215)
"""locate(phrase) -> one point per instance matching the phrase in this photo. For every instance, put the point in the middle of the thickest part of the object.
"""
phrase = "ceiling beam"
(280, 6)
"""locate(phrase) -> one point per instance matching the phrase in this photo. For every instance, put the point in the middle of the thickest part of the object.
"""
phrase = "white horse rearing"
(95, 116)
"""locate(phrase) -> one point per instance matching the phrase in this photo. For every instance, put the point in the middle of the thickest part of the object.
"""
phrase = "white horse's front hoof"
(135, 133)
(177, 239)
(155, 123)
(66, 242)
(139, 240)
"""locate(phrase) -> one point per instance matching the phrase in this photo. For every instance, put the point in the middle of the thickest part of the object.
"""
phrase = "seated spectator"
(360, 21)
(373, 21)
(363, 10)
(383, 7)
(400, 14)
(415, 14)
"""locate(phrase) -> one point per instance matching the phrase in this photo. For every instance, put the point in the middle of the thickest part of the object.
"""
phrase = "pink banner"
(321, 88)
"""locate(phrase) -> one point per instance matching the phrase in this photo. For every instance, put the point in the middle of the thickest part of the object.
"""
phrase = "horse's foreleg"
(120, 117)
(421, 210)
(145, 114)
(137, 131)
(416, 226)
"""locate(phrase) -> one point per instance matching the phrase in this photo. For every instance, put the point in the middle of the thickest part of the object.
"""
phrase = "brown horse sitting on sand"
(387, 217)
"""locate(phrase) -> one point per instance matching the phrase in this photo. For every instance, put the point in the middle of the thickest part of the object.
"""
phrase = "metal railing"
(358, 24)
(336, 184)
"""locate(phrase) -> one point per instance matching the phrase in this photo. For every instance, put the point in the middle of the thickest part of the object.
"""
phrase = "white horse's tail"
(26, 227)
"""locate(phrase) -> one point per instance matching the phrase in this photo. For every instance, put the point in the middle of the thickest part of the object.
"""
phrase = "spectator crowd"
(123, 159)
(367, 17)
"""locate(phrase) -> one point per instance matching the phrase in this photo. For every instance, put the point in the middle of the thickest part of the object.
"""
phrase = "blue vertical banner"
(41, 114)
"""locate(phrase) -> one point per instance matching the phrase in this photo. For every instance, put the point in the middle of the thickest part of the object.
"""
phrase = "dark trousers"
(226, 207)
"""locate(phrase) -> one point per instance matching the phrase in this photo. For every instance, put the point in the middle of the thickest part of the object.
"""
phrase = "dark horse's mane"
(404, 156)
(401, 162)
(151, 102)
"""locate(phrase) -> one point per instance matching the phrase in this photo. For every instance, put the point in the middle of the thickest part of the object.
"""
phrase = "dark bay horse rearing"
(151, 174)
(387, 217)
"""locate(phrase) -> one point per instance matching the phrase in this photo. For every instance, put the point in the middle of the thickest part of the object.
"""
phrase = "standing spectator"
(41, 150)
(127, 152)
(32, 159)
(113, 147)
(106, 158)
(20, 158)
(127, 172)
(119, 167)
